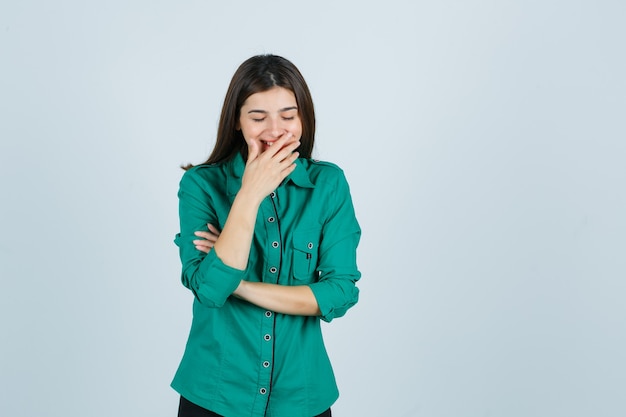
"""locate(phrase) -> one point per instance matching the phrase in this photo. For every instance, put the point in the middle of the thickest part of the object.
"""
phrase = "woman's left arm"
(335, 290)
(296, 300)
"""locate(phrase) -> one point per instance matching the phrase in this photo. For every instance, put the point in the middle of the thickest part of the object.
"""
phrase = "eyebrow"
(284, 109)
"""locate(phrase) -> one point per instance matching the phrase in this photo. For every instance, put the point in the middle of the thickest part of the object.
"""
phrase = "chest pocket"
(306, 244)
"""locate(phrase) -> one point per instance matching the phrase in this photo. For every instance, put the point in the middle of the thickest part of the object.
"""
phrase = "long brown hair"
(255, 75)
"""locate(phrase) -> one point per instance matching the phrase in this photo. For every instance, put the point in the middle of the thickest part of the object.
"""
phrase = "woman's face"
(267, 116)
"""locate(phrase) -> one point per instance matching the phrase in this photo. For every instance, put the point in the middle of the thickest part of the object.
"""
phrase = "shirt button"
(271, 219)
(275, 244)
(273, 270)
(263, 391)
(267, 337)
(266, 364)
(310, 245)
(268, 314)
(272, 194)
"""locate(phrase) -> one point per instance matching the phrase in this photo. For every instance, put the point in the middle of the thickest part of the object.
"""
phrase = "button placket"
(273, 239)
(267, 352)
(272, 258)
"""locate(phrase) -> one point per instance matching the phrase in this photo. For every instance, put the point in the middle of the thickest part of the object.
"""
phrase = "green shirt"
(241, 360)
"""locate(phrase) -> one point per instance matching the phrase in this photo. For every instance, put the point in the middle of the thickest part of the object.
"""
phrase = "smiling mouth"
(267, 143)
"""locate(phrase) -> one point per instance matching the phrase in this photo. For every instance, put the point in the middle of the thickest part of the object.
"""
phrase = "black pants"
(189, 409)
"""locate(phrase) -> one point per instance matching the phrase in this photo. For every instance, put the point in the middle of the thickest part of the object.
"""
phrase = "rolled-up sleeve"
(336, 289)
(210, 280)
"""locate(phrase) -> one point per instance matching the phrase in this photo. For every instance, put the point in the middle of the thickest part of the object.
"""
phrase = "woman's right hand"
(263, 173)
(265, 170)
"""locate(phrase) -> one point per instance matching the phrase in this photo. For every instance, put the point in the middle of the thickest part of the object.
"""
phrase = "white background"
(485, 144)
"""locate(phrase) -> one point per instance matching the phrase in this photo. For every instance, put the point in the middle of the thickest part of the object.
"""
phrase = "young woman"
(267, 240)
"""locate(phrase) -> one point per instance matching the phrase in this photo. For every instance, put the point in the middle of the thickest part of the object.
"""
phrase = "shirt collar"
(236, 166)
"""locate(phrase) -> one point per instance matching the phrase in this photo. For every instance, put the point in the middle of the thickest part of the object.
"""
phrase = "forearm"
(295, 300)
(233, 243)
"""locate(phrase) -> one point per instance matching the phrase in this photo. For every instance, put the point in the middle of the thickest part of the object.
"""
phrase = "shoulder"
(202, 175)
(327, 174)
(204, 170)
(324, 171)
(320, 163)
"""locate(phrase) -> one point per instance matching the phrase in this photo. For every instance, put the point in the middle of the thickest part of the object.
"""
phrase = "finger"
(203, 249)
(253, 151)
(206, 235)
(283, 147)
(287, 151)
(287, 166)
(279, 145)
(204, 242)
(203, 245)
(291, 135)
(213, 229)
(288, 170)
(290, 158)
(290, 138)
(287, 158)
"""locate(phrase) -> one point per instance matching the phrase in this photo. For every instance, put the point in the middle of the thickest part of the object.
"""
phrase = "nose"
(276, 129)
